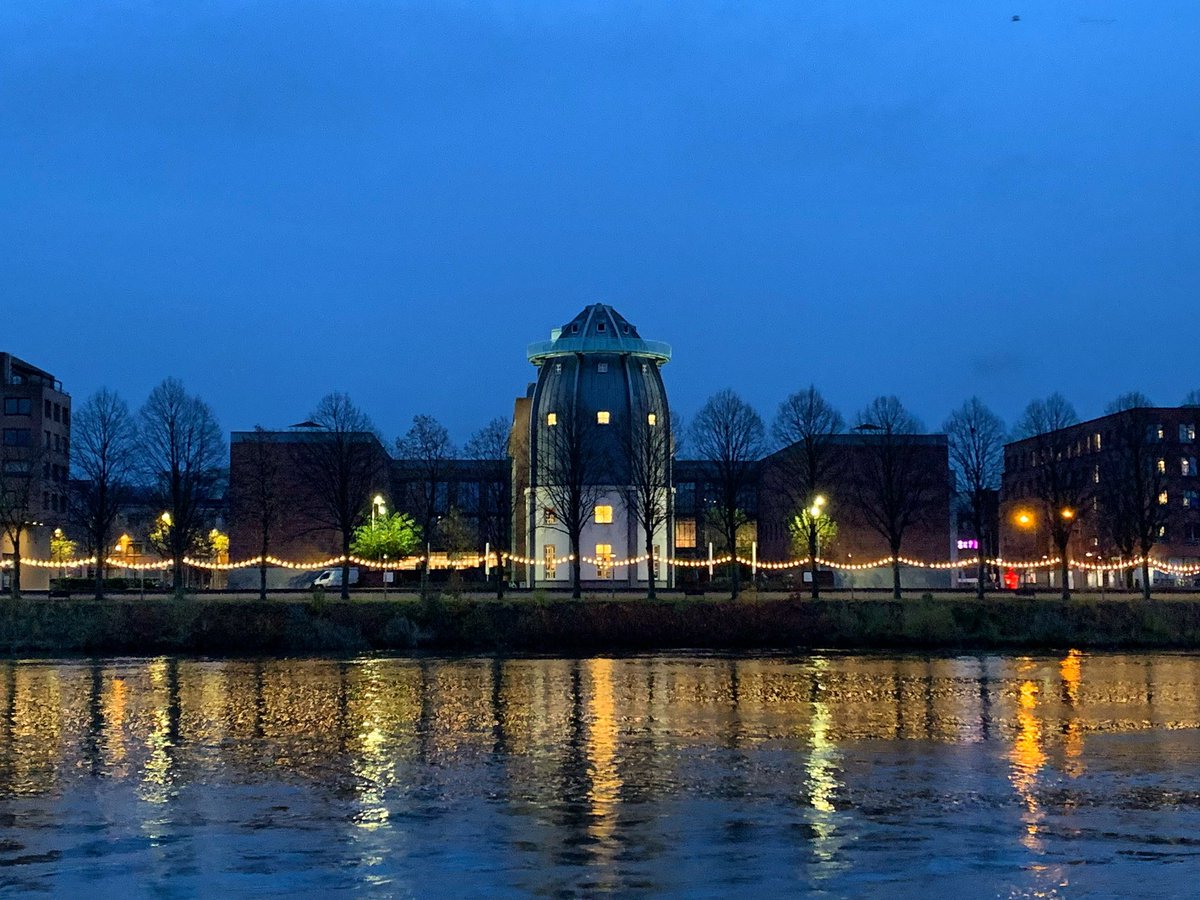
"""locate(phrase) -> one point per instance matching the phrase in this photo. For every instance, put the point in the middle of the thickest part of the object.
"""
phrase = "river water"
(1064, 775)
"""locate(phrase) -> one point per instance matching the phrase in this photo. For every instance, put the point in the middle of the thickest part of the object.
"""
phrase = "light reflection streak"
(1027, 758)
(1071, 672)
(604, 780)
(820, 769)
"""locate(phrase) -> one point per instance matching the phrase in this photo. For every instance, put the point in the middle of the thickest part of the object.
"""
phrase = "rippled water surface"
(1069, 775)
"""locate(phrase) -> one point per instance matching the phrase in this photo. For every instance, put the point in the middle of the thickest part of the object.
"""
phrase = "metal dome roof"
(597, 329)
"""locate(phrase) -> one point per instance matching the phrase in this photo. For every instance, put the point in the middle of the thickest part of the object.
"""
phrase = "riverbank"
(295, 625)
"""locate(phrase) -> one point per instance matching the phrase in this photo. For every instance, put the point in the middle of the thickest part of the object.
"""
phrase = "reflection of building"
(598, 396)
(35, 431)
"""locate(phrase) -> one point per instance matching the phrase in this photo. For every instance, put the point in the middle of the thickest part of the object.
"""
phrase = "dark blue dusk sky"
(275, 200)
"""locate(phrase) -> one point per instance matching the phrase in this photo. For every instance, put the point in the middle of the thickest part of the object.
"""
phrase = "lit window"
(1095, 474)
(685, 533)
(549, 517)
(1191, 500)
(1187, 433)
(1187, 465)
(604, 556)
(1097, 440)
(548, 561)
(558, 368)
(603, 515)
(1162, 532)
(602, 417)
(1160, 432)
(652, 419)
(601, 368)
(1162, 466)
(1162, 498)
(551, 418)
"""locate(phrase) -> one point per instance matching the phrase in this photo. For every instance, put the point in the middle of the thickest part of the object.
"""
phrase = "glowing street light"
(1067, 513)
(377, 504)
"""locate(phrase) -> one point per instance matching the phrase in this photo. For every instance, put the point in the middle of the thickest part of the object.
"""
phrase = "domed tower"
(599, 398)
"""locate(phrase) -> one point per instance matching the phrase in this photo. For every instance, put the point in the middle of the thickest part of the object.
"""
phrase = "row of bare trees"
(341, 466)
(889, 483)
(172, 448)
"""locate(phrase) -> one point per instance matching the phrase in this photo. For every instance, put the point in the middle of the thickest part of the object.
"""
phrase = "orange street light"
(1067, 513)
(1024, 519)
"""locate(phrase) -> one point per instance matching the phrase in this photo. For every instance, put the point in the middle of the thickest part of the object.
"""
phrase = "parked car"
(332, 578)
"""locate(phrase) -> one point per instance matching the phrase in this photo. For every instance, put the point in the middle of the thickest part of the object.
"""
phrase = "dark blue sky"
(274, 200)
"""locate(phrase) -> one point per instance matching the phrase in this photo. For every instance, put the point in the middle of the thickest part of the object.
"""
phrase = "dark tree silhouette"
(647, 448)
(1131, 481)
(571, 465)
(976, 436)
(21, 457)
(182, 454)
(892, 483)
(489, 445)
(343, 465)
(1058, 484)
(104, 442)
(426, 450)
(805, 427)
(258, 495)
(728, 434)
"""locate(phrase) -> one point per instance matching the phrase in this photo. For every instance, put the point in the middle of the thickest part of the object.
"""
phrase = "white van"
(332, 578)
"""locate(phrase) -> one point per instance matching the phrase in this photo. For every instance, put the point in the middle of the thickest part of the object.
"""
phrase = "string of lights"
(468, 562)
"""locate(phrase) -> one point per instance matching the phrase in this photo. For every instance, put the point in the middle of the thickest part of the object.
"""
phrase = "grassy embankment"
(294, 624)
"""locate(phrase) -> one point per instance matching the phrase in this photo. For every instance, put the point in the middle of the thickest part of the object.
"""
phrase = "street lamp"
(377, 504)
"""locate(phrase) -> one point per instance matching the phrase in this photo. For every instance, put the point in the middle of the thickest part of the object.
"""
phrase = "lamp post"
(814, 538)
(377, 504)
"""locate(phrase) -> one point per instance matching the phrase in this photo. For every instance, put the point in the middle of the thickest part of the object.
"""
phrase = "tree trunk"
(650, 594)
(576, 585)
(1145, 576)
(981, 575)
(345, 566)
(16, 567)
(499, 577)
(895, 574)
(1066, 573)
(735, 571)
(177, 574)
(812, 554)
(100, 567)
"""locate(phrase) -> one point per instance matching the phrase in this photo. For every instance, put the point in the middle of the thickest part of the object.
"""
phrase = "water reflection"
(563, 776)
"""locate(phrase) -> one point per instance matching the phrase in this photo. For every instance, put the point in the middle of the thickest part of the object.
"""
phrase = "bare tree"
(1131, 482)
(647, 449)
(893, 482)
(805, 427)
(1192, 399)
(572, 465)
(1058, 483)
(343, 465)
(105, 445)
(976, 436)
(426, 451)
(489, 446)
(729, 435)
(257, 496)
(183, 452)
(20, 458)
